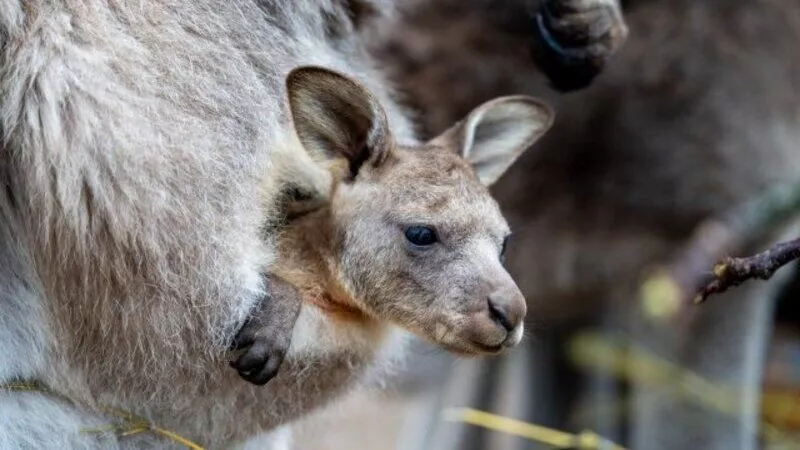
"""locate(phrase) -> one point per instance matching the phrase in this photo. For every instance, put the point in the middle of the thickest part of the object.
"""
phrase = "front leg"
(574, 39)
(267, 334)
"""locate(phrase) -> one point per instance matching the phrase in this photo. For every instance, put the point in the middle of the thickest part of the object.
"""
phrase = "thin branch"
(671, 287)
(734, 271)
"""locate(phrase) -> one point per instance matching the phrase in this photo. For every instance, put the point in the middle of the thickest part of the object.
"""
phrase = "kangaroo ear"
(337, 119)
(496, 133)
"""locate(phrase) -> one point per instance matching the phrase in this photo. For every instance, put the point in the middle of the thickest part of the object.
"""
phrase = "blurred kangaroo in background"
(144, 146)
(699, 111)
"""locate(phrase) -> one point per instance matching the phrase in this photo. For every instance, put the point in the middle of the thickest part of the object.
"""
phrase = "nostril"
(499, 314)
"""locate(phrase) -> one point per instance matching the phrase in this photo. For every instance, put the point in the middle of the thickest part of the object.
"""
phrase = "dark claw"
(266, 336)
(241, 341)
(258, 365)
(264, 351)
(263, 375)
(256, 356)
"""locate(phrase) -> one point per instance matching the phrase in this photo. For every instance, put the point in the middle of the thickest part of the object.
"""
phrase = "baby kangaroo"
(402, 235)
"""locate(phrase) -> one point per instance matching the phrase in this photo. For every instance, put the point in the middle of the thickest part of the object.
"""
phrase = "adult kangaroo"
(139, 169)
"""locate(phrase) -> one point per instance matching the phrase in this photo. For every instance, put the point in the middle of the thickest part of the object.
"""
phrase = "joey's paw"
(574, 38)
(263, 353)
(266, 337)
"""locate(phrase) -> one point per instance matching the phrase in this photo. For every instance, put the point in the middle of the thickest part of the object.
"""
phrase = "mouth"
(472, 348)
(481, 339)
(483, 348)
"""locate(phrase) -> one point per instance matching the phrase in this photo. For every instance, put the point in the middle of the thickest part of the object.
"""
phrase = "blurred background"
(696, 115)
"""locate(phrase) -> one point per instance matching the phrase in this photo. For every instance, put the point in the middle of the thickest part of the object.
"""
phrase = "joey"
(409, 235)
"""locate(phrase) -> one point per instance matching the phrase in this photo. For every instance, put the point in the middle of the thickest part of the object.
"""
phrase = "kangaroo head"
(414, 236)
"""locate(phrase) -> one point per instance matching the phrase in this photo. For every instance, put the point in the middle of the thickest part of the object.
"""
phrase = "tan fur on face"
(357, 262)
(427, 186)
(317, 252)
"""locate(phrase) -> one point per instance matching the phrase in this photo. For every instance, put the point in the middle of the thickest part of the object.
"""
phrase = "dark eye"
(503, 249)
(421, 235)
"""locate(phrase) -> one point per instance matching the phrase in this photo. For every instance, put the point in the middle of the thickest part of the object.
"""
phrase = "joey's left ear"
(338, 119)
(496, 133)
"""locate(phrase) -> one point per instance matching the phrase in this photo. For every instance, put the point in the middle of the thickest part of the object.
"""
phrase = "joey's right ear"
(495, 133)
(337, 119)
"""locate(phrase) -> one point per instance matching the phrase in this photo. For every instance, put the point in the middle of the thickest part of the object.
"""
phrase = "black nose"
(499, 313)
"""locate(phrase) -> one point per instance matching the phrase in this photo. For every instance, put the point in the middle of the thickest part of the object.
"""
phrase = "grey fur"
(136, 137)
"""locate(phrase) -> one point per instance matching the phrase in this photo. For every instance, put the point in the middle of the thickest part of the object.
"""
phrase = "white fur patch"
(516, 338)
(277, 439)
(315, 333)
(34, 420)
(23, 324)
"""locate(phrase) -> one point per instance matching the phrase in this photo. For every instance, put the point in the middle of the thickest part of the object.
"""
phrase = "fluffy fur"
(135, 139)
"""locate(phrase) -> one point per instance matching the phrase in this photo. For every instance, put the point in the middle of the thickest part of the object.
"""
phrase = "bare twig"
(735, 271)
(670, 288)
